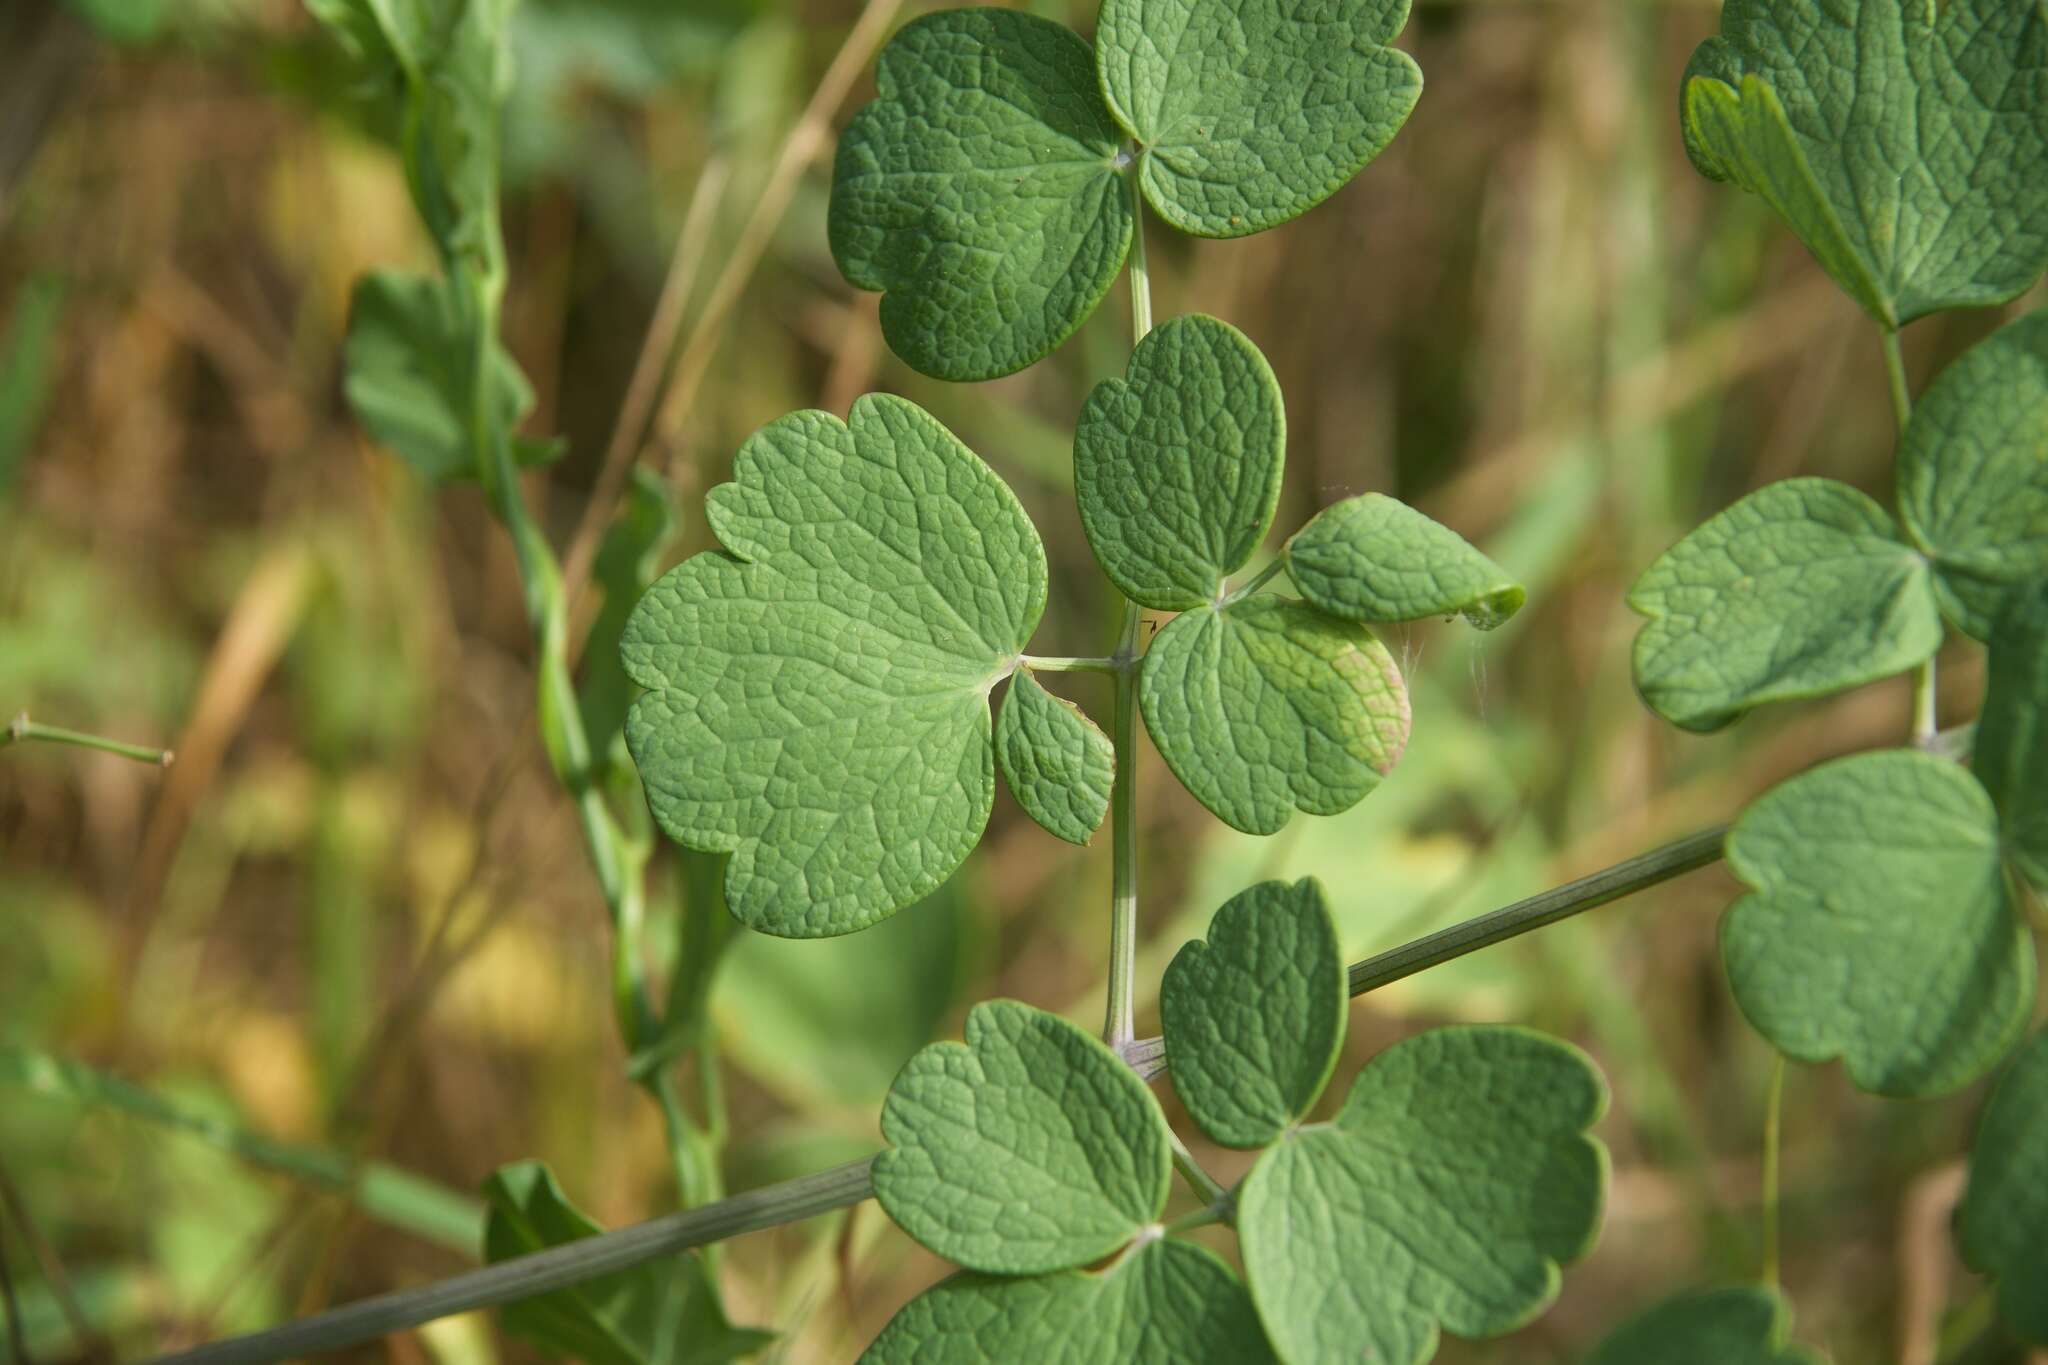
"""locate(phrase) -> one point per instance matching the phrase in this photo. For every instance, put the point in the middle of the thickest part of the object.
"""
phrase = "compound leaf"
(981, 191)
(1802, 588)
(407, 358)
(1973, 472)
(662, 1312)
(1876, 880)
(1060, 767)
(2006, 1204)
(1268, 706)
(1030, 1147)
(1254, 1017)
(1906, 144)
(818, 694)
(1737, 1325)
(1167, 1303)
(1446, 1193)
(1177, 465)
(2011, 751)
(1372, 558)
(1249, 114)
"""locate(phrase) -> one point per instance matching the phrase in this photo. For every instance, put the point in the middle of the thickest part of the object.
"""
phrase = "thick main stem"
(618, 859)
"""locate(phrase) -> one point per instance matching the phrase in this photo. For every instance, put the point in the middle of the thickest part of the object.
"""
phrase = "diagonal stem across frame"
(793, 1200)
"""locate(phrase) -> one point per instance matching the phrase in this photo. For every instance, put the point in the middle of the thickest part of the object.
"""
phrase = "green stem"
(1220, 1210)
(1049, 663)
(1120, 1025)
(1926, 713)
(1191, 1171)
(524, 1277)
(1924, 693)
(1148, 1055)
(1256, 581)
(386, 1193)
(618, 859)
(1895, 375)
(792, 1200)
(1141, 277)
(1774, 1103)
(21, 728)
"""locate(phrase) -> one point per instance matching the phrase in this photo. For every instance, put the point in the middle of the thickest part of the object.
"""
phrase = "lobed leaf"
(980, 191)
(663, 1312)
(1876, 881)
(1973, 473)
(1177, 465)
(1251, 113)
(1254, 1017)
(1031, 1147)
(1906, 144)
(2005, 1206)
(818, 694)
(1801, 589)
(1266, 706)
(1166, 1303)
(1737, 1325)
(1371, 558)
(407, 363)
(1060, 767)
(2011, 752)
(1445, 1195)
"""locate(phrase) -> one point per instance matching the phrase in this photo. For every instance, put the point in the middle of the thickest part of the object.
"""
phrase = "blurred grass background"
(270, 1016)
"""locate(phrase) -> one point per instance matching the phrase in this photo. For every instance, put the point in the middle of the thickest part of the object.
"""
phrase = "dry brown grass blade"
(259, 625)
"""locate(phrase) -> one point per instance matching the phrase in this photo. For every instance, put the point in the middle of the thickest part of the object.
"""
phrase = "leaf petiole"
(1056, 663)
(1202, 1182)
(1254, 583)
(22, 728)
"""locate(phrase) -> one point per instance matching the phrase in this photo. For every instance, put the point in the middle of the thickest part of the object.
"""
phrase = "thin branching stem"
(558, 1267)
(22, 729)
(1926, 716)
(793, 1200)
(1199, 1180)
(1054, 663)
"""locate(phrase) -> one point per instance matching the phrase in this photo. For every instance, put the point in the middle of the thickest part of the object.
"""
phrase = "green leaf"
(981, 191)
(407, 358)
(1177, 465)
(1254, 1017)
(1801, 589)
(1267, 706)
(1878, 929)
(1030, 1147)
(2006, 1205)
(624, 567)
(1446, 1193)
(1060, 767)
(1167, 1303)
(1907, 145)
(1250, 114)
(1738, 1325)
(1973, 473)
(818, 696)
(1371, 558)
(662, 1312)
(2011, 751)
